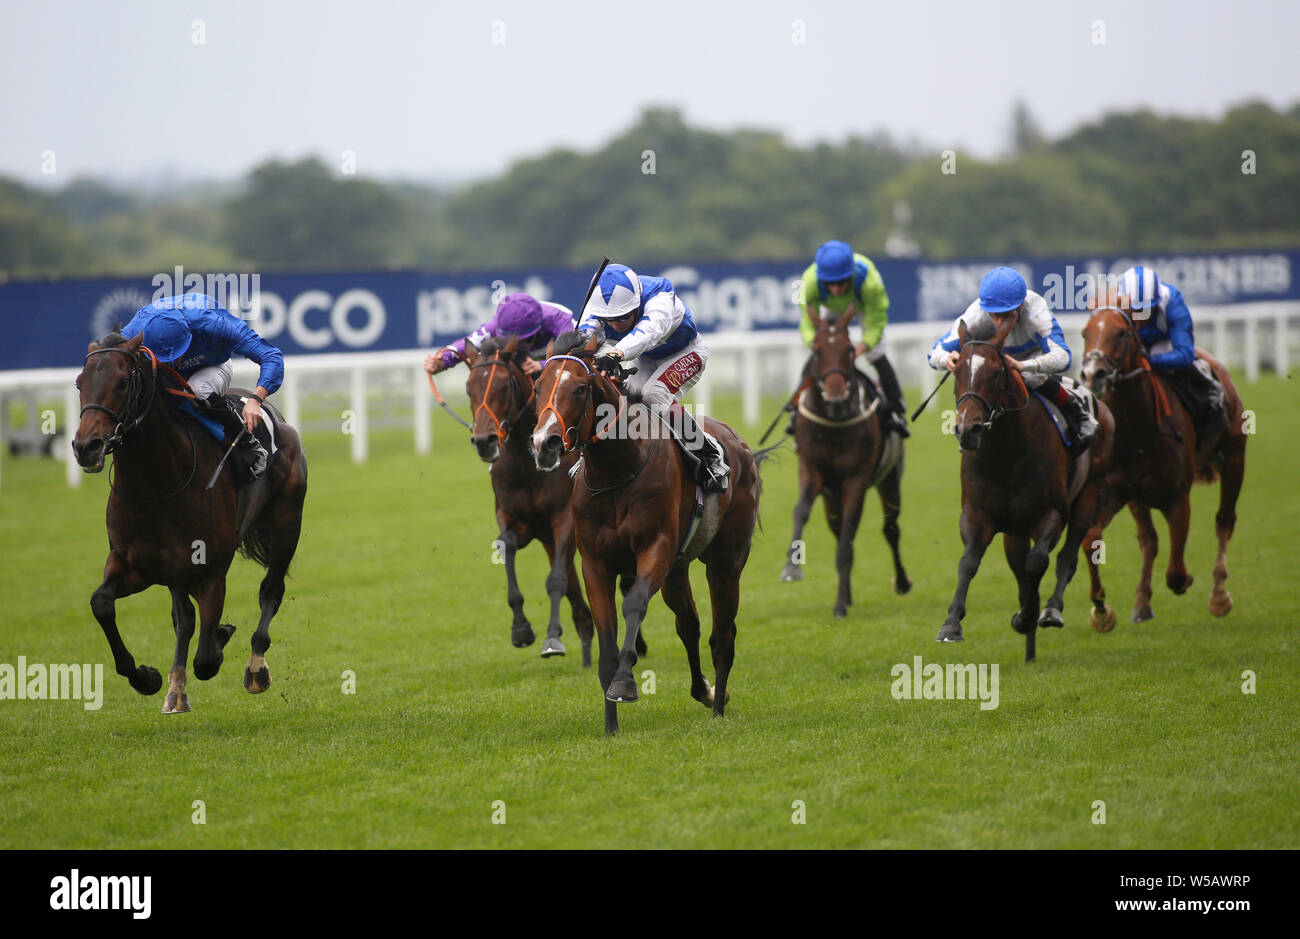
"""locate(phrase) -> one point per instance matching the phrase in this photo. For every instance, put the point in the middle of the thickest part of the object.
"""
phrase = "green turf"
(394, 580)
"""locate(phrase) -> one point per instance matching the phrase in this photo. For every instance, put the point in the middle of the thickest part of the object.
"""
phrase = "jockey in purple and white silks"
(534, 321)
(1035, 346)
(197, 337)
(645, 321)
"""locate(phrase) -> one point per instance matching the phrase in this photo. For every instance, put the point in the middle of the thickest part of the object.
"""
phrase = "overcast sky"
(456, 90)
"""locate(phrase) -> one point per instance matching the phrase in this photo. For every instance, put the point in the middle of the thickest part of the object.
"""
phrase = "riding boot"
(1077, 413)
(893, 394)
(701, 449)
(1213, 419)
(253, 454)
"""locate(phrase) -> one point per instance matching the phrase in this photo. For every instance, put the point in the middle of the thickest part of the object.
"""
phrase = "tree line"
(664, 191)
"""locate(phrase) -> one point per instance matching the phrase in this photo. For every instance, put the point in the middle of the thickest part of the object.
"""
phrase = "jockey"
(838, 279)
(1165, 328)
(649, 323)
(1035, 346)
(197, 337)
(535, 322)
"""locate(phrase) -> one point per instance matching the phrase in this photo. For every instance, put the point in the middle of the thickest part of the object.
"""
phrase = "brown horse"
(529, 504)
(165, 528)
(1157, 458)
(634, 503)
(1017, 478)
(843, 450)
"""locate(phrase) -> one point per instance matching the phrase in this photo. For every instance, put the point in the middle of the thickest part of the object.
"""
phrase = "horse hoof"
(255, 682)
(1179, 585)
(949, 633)
(1018, 624)
(522, 637)
(203, 671)
(1103, 622)
(552, 647)
(621, 691)
(1142, 613)
(146, 680)
(1221, 603)
(1051, 616)
(709, 699)
(176, 704)
(841, 612)
(791, 573)
(902, 588)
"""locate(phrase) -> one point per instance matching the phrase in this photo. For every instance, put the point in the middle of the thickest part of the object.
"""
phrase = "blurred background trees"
(664, 191)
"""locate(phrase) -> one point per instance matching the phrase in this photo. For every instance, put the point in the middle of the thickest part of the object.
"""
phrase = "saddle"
(1078, 467)
(1202, 394)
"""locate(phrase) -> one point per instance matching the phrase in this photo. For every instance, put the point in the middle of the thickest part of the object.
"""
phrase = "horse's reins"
(851, 380)
(503, 427)
(994, 412)
(1116, 376)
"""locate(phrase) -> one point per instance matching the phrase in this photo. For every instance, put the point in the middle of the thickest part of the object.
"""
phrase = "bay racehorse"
(529, 504)
(1157, 457)
(165, 527)
(1018, 478)
(844, 448)
(638, 513)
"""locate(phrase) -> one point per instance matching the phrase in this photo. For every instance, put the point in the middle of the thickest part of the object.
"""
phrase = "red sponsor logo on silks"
(681, 371)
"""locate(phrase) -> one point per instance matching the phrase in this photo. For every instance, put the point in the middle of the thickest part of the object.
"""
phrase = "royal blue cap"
(834, 261)
(1002, 290)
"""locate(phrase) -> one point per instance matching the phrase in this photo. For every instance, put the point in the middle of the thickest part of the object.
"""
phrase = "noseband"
(1116, 375)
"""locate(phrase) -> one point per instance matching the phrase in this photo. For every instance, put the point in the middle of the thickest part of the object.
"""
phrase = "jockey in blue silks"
(1035, 346)
(642, 319)
(197, 337)
(1165, 328)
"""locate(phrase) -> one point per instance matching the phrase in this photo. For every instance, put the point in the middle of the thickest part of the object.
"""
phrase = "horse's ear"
(133, 344)
(471, 352)
(1003, 331)
(92, 347)
(550, 348)
(511, 346)
(963, 334)
(592, 344)
(843, 321)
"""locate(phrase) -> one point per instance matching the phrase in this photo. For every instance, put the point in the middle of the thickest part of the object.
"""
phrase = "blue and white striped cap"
(1142, 287)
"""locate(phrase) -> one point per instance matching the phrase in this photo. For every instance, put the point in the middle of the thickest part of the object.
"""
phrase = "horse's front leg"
(851, 495)
(976, 533)
(600, 594)
(1225, 520)
(1179, 518)
(810, 484)
(521, 631)
(213, 634)
(120, 580)
(557, 582)
(565, 546)
(652, 569)
(177, 701)
(1149, 543)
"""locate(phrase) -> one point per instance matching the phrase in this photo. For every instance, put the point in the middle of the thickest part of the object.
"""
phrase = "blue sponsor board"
(50, 323)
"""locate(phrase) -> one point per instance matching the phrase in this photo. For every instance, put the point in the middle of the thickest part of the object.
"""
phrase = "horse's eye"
(580, 390)
(121, 385)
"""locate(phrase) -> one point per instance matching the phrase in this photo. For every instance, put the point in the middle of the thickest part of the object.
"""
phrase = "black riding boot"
(1213, 419)
(252, 455)
(1083, 427)
(893, 394)
(707, 454)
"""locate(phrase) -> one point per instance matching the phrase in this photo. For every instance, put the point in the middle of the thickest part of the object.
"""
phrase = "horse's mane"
(494, 344)
(571, 343)
(112, 339)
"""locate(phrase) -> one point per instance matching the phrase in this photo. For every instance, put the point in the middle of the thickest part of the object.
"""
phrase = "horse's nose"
(89, 453)
(969, 437)
(548, 455)
(488, 446)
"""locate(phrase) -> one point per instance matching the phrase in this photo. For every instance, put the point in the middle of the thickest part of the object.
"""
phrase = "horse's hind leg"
(122, 581)
(891, 501)
(1179, 518)
(677, 596)
(582, 621)
(1230, 479)
(1149, 542)
(1035, 566)
(177, 701)
(556, 584)
(624, 585)
(724, 591)
(1083, 514)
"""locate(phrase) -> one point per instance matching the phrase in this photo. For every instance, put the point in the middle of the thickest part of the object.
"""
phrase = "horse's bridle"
(503, 427)
(135, 390)
(850, 378)
(992, 412)
(550, 403)
(1115, 374)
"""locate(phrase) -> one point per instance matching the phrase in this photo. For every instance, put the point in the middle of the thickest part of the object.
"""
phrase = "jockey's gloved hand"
(610, 364)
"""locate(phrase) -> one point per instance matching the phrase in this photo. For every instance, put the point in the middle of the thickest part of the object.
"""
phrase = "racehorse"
(529, 504)
(843, 450)
(634, 505)
(1157, 458)
(165, 528)
(1017, 478)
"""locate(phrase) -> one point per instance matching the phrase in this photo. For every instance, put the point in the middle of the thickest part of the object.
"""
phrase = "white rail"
(758, 363)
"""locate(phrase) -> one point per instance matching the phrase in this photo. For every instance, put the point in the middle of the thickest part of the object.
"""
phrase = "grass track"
(394, 580)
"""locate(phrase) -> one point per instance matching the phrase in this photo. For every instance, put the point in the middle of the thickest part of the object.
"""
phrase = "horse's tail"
(254, 539)
(759, 457)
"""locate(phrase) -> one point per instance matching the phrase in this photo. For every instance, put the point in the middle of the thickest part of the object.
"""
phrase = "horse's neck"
(617, 455)
(151, 455)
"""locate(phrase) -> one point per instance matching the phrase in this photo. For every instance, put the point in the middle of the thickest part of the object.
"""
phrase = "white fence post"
(751, 386)
(421, 408)
(1252, 350)
(360, 428)
(292, 401)
(1221, 339)
(1281, 354)
(71, 418)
